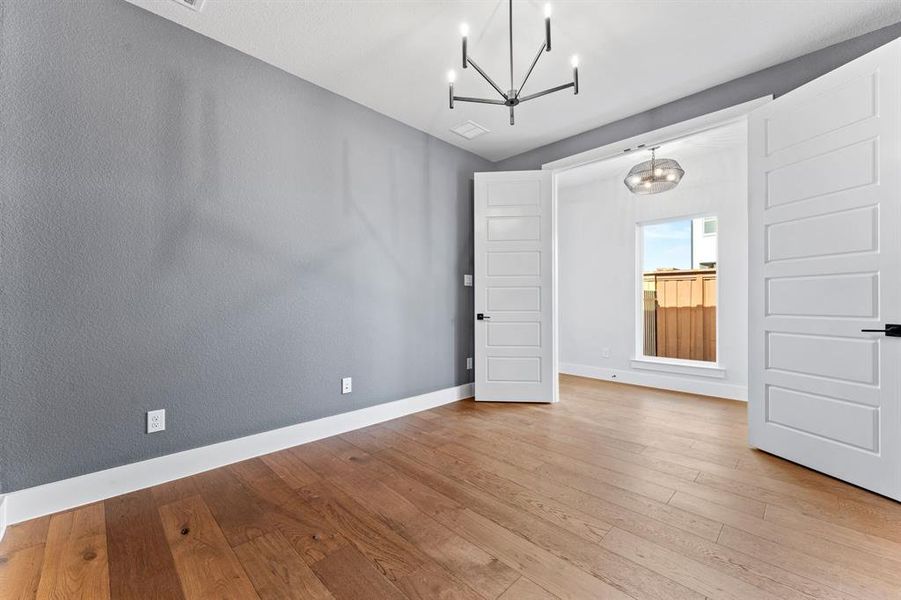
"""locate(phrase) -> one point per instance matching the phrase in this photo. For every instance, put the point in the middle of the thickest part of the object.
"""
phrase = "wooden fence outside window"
(680, 314)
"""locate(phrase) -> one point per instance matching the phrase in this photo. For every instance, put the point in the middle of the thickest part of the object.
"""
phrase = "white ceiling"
(393, 55)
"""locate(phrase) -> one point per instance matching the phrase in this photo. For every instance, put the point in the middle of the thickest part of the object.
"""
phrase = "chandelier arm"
(487, 78)
(510, 14)
(531, 68)
(548, 91)
(479, 100)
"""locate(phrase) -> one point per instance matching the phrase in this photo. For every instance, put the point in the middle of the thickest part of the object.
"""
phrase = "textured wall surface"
(185, 227)
(776, 80)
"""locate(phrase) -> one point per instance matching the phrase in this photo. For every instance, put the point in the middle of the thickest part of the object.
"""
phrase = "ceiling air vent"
(469, 130)
(192, 4)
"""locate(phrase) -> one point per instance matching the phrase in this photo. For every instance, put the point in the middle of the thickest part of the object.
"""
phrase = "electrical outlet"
(156, 420)
(468, 363)
(605, 352)
(347, 385)
(467, 280)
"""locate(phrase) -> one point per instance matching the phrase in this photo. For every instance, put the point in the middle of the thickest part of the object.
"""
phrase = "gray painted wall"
(776, 80)
(185, 227)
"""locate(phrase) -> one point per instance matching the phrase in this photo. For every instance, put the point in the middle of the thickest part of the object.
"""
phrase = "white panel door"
(825, 264)
(515, 333)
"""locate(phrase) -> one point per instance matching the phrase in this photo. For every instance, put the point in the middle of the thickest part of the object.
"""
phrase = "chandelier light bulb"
(658, 172)
(464, 29)
(671, 177)
(451, 76)
(574, 61)
(547, 10)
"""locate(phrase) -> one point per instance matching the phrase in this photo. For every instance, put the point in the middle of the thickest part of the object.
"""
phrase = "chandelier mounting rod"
(513, 96)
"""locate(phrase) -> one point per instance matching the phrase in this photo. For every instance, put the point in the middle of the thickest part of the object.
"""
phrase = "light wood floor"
(616, 492)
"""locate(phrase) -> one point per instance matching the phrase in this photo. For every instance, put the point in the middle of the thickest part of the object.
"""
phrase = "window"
(679, 291)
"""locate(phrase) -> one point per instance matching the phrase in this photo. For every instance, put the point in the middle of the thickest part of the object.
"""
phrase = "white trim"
(3, 504)
(659, 136)
(69, 493)
(664, 382)
(696, 368)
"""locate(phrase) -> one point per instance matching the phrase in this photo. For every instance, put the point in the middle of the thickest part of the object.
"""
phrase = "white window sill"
(681, 367)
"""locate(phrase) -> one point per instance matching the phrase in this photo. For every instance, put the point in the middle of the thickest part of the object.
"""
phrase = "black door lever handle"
(891, 330)
(481, 317)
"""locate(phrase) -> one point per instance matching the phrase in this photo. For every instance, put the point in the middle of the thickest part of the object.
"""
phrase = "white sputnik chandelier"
(512, 97)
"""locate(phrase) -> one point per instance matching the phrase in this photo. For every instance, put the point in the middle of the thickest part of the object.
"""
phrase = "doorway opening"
(676, 260)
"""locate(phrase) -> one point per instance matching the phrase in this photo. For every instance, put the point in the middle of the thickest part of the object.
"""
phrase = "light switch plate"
(467, 280)
(468, 363)
(347, 385)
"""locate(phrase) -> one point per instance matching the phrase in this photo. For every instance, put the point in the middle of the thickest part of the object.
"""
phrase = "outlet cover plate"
(347, 385)
(156, 420)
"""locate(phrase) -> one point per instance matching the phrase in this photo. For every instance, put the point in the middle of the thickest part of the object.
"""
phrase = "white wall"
(597, 268)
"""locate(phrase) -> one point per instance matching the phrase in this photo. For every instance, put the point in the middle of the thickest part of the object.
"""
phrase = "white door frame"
(638, 143)
(656, 137)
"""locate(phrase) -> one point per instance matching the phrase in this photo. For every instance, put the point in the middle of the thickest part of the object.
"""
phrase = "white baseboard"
(665, 382)
(2, 515)
(53, 497)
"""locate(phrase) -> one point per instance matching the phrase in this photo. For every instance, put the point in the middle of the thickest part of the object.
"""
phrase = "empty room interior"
(450, 299)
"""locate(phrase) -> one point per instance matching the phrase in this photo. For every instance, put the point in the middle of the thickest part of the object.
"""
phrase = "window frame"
(640, 360)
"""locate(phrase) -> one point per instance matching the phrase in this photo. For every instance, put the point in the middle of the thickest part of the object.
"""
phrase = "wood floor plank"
(75, 556)
(526, 589)
(869, 566)
(772, 467)
(236, 511)
(23, 535)
(852, 538)
(290, 468)
(549, 570)
(705, 580)
(849, 513)
(349, 575)
(579, 491)
(432, 581)
(639, 479)
(483, 573)
(393, 556)
(305, 528)
(140, 563)
(277, 571)
(20, 573)
(545, 536)
(490, 435)
(206, 565)
(832, 575)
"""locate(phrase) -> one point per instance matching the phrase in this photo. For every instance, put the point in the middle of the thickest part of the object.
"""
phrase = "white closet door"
(825, 264)
(515, 335)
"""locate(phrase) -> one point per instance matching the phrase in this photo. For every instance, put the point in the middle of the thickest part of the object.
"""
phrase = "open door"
(515, 304)
(825, 273)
